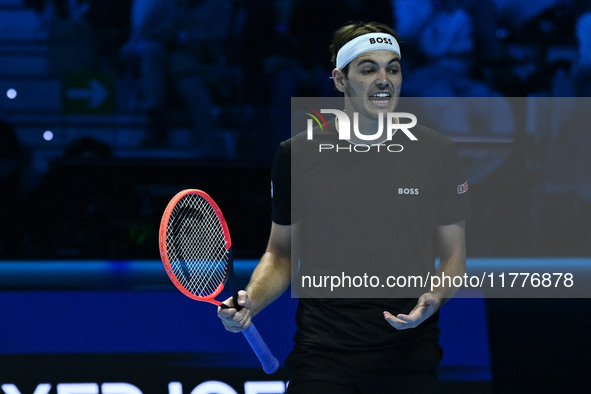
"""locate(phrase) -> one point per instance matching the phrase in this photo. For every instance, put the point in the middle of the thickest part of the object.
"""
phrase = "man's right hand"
(234, 320)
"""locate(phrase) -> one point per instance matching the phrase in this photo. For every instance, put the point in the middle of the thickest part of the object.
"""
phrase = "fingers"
(424, 308)
(400, 321)
(232, 319)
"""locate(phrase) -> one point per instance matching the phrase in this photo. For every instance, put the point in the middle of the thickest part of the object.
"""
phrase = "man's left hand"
(427, 305)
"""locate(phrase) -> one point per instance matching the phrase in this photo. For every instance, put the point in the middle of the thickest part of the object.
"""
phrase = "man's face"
(372, 83)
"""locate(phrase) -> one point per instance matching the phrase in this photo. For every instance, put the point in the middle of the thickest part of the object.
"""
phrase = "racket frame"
(227, 243)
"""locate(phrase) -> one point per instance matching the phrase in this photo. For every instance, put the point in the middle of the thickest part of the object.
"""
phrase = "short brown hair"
(353, 30)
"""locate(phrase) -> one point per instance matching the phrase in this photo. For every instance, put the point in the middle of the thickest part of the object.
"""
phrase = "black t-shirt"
(358, 208)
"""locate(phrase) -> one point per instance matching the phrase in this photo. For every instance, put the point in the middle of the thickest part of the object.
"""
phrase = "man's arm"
(269, 280)
(452, 261)
(451, 241)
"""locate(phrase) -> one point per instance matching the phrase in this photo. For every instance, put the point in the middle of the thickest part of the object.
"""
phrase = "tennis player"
(366, 345)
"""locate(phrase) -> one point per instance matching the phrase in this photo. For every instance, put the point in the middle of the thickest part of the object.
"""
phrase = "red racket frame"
(163, 247)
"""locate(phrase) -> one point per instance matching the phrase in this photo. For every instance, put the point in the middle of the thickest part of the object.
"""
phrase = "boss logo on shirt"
(380, 40)
(408, 190)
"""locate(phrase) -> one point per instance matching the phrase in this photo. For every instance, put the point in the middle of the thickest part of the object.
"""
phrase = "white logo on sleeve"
(463, 188)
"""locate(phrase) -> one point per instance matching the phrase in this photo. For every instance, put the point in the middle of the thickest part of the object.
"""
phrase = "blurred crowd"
(206, 55)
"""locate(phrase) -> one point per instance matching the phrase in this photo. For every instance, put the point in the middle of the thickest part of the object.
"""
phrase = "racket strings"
(197, 246)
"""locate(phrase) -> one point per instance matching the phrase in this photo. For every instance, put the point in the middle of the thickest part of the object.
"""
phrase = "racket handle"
(258, 345)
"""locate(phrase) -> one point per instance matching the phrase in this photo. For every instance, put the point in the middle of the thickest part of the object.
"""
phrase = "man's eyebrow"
(371, 61)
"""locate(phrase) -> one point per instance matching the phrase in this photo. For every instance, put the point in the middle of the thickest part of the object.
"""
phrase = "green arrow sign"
(88, 93)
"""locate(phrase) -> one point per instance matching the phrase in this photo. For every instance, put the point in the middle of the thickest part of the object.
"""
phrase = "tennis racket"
(196, 250)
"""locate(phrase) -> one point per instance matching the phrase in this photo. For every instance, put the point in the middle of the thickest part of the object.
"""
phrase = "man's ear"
(339, 79)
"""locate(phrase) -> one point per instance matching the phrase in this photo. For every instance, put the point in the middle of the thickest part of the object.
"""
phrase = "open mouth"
(380, 98)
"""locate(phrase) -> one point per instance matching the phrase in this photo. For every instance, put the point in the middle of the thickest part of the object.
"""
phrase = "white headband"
(365, 43)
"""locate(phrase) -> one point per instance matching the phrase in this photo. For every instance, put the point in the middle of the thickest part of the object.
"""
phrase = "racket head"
(195, 245)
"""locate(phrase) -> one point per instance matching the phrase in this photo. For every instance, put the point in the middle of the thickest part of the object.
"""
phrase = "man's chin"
(374, 112)
(373, 109)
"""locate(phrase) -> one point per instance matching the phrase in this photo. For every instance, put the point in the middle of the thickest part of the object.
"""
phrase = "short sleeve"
(281, 185)
(453, 203)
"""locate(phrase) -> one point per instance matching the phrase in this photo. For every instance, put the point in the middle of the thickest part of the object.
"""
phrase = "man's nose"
(382, 79)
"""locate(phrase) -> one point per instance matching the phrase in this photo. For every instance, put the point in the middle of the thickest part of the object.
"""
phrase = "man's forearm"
(269, 280)
(452, 250)
(453, 266)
